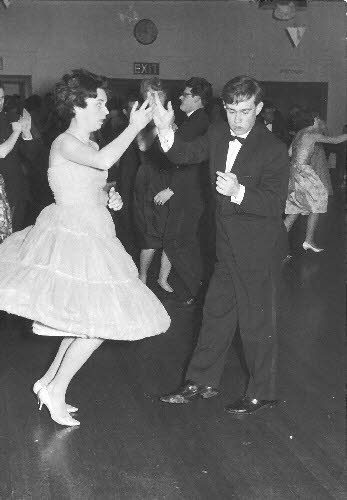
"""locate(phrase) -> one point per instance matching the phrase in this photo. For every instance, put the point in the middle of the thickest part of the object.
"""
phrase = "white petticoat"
(71, 275)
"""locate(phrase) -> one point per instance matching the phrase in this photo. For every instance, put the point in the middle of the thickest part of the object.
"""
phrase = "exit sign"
(146, 68)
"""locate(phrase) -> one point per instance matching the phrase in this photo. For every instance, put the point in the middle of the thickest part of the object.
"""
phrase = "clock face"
(145, 31)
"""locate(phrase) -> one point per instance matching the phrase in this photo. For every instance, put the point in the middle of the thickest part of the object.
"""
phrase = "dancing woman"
(69, 272)
(309, 183)
(152, 192)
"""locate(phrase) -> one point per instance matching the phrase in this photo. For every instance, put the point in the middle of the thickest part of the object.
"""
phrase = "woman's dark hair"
(74, 88)
(242, 88)
(33, 102)
(299, 118)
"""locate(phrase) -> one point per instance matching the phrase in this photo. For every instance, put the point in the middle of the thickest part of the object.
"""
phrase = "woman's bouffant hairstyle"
(151, 84)
(299, 118)
(74, 88)
(241, 89)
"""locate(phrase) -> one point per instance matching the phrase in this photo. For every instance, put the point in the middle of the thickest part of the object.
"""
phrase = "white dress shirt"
(233, 151)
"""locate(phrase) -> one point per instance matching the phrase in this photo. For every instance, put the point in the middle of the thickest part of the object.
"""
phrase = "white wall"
(214, 39)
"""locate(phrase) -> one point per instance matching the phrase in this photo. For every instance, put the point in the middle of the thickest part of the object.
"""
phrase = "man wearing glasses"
(188, 183)
(249, 171)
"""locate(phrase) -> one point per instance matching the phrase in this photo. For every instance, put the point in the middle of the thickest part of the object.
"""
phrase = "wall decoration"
(296, 34)
(129, 16)
(145, 31)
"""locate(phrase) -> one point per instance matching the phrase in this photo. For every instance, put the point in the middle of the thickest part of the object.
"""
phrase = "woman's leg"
(289, 221)
(146, 257)
(78, 352)
(312, 222)
(52, 370)
(165, 268)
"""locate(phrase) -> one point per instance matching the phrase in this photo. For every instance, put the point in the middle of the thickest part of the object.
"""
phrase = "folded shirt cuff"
(166, 139)
(238, 199)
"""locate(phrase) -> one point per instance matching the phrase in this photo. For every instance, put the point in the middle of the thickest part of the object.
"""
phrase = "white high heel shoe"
(38, 386)
(45, 399)
(307, 246)
(164, 285)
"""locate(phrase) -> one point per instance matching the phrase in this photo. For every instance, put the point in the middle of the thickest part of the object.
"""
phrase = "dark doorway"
(285, 95)
(17, 84)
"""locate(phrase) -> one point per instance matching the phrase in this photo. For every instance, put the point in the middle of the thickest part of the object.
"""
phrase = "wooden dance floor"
(132, 447)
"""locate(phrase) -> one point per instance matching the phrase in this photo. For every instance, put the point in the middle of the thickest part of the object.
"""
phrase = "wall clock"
(145, 31)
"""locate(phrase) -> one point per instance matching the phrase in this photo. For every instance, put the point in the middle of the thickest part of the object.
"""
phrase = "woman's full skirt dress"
(306, 193)
(70, 273)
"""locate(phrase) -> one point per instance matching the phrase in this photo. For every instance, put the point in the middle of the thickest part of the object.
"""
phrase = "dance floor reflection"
(131, 447)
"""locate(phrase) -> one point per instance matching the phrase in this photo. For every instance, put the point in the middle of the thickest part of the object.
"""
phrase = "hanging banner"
(296, 34)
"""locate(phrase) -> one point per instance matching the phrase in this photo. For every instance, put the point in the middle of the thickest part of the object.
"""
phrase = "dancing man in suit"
(249, 167)
(188, 194)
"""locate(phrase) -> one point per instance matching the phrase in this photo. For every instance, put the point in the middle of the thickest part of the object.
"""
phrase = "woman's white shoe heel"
(307, 246)
(45, 399)
(38, 386)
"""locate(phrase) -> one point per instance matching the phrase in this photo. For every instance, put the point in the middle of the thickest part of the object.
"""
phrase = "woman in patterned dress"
(309, 183)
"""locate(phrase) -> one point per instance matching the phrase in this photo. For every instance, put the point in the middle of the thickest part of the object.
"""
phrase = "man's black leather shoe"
(246, 406)
(188, 392)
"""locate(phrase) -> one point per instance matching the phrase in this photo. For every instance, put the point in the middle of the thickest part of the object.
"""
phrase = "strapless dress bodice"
(74, 184)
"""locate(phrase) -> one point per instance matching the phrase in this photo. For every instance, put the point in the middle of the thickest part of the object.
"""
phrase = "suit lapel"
(5, 129)
(246, 152)
(222, 146)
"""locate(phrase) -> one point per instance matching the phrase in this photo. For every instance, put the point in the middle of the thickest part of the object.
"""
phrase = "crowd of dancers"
(214, 192)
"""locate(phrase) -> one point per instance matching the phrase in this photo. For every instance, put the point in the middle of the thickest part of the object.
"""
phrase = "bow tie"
(242, 140)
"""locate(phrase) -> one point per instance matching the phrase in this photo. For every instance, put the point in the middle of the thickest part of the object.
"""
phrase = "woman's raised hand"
(142, 116)
(163, 118)
(25, 121)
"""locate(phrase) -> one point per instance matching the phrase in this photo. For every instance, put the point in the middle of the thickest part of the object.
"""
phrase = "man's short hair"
(200, 87)
(2, 86)
(241, 88)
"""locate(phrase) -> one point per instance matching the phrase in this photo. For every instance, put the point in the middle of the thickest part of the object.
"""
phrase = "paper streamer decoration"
(296, 34)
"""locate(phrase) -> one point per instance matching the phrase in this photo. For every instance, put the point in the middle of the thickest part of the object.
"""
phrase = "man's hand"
(115, 201)
(163, 196)
(140, 117)
(17, 127)
(227, 184)
(163, 118)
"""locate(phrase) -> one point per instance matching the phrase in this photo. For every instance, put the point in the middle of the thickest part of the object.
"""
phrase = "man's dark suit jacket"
(181, 238)
(279, 127)
(255, 229)
(188, 182)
